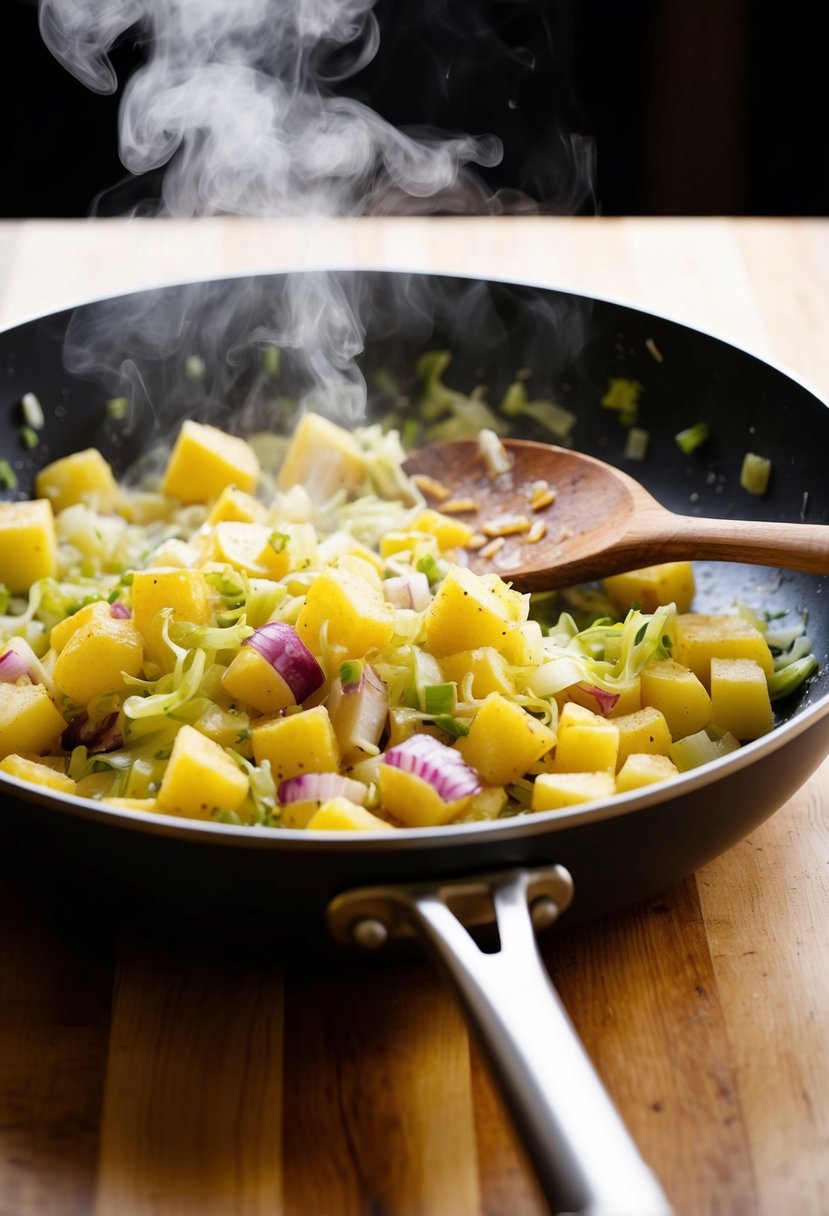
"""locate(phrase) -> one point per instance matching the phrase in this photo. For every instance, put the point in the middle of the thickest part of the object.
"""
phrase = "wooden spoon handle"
(790, 546)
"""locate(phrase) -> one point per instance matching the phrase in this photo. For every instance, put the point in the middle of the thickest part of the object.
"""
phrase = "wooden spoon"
(600, 521)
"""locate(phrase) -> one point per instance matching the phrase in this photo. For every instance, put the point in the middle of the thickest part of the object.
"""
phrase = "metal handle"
(582, 1153)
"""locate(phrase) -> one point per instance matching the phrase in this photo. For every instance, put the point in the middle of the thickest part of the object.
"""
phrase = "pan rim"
(521, 826)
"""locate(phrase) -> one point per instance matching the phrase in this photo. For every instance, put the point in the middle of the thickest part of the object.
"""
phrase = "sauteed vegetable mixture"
(287, 636)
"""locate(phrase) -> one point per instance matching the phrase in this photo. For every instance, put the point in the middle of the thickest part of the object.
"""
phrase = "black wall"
(710, 107)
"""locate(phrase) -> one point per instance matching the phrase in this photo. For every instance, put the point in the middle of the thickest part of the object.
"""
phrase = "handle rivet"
(369, 933)
(543, 911)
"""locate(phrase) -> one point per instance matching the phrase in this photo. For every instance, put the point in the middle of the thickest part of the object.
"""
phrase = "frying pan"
(445, 886)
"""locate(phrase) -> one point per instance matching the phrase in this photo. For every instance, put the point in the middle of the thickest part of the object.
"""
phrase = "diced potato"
(644, 732)
(504, 740)
(98, 610)
(413, 801)
(587, 743)
(227, 727)
(323, 458)
(641, 769)
(56, 763)
(489, 670)
(740, 698)
(175, 552)
(552, 791)
(358, 619)
(678, 693)
(297, 743)
(248, 547)
(38, 772)
(96, 658)
(82, 477)
(236, 506)
(698, 638)
(420, 544)
(467, 613)
(29, 721)
(185, 591)
(200, 777)
(340, 815)
(132, 804)
(251, 679)
(449, 531)
(652, 586)
(28, 547)
(204, 460)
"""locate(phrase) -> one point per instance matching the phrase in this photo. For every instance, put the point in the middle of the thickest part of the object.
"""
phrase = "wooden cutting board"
(139, 1076)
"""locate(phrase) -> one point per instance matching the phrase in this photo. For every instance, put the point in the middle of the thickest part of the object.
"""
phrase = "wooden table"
(137, 1077)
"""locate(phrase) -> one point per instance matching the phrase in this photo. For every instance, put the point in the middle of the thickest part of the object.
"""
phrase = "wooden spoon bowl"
(600, 521)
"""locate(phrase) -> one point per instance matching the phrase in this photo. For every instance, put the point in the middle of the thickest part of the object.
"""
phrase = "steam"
(237, 99)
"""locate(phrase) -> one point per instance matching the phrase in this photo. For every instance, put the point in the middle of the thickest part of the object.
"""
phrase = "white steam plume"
(237, 97)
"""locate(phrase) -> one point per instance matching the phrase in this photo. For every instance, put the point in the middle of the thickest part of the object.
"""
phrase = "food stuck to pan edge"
(285, 635)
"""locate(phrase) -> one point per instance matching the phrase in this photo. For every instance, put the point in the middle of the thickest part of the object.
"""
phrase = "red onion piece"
(105, 735)
(441, 766)
(319, 787)
(408, 591)
(12, 666)
(281, 646)
(120, 611)
(604, 700)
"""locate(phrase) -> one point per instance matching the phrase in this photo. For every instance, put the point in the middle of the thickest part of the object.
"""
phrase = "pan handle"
(581, 1151)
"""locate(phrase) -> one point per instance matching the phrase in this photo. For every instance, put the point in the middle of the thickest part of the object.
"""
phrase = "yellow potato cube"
(200, 777)
(699, 638)
(652, 586)
(236, 506)
(132, 804)
(38, 772)
(82, 477)
(250, 678)
(227, 727)
(413, 801)
(204, 460)
(504, 740)
(552, 791)
(28, 547)
(420, 544)
(99, 610)
(449, 531)
(643, 732)
(340, 815)
(29, 721)
(587, 743)
(297, 743)
(96, 658)
(357, 617)
(248, 547)
(467, 613)
(740, 698)
(323, 458)
(489, 670)
(185, 591)
(678, 694)
(640, 769)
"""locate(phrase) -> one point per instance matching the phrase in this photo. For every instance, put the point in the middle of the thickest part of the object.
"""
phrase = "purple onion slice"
(281, 646)
(408, 591)
(13, 665)
(319, 787)
(119, 611)
(605, 700)
(105, 735)
(442, 767)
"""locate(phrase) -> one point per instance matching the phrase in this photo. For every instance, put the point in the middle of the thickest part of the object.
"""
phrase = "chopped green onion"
(32, 411)
(8, 478)
(117, 408)
(29, 436)
(270, 360)
(784, 682)
(453, 726)
(430, 566)
(351, 671)
(755, 473)
(637, 443)
(693, 437)
(278, 541)
(623, 395)
(440, 698)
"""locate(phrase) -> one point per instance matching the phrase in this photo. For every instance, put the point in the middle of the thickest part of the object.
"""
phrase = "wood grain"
(157, 1079)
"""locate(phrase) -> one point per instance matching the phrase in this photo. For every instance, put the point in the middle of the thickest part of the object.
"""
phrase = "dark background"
(694, 107)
